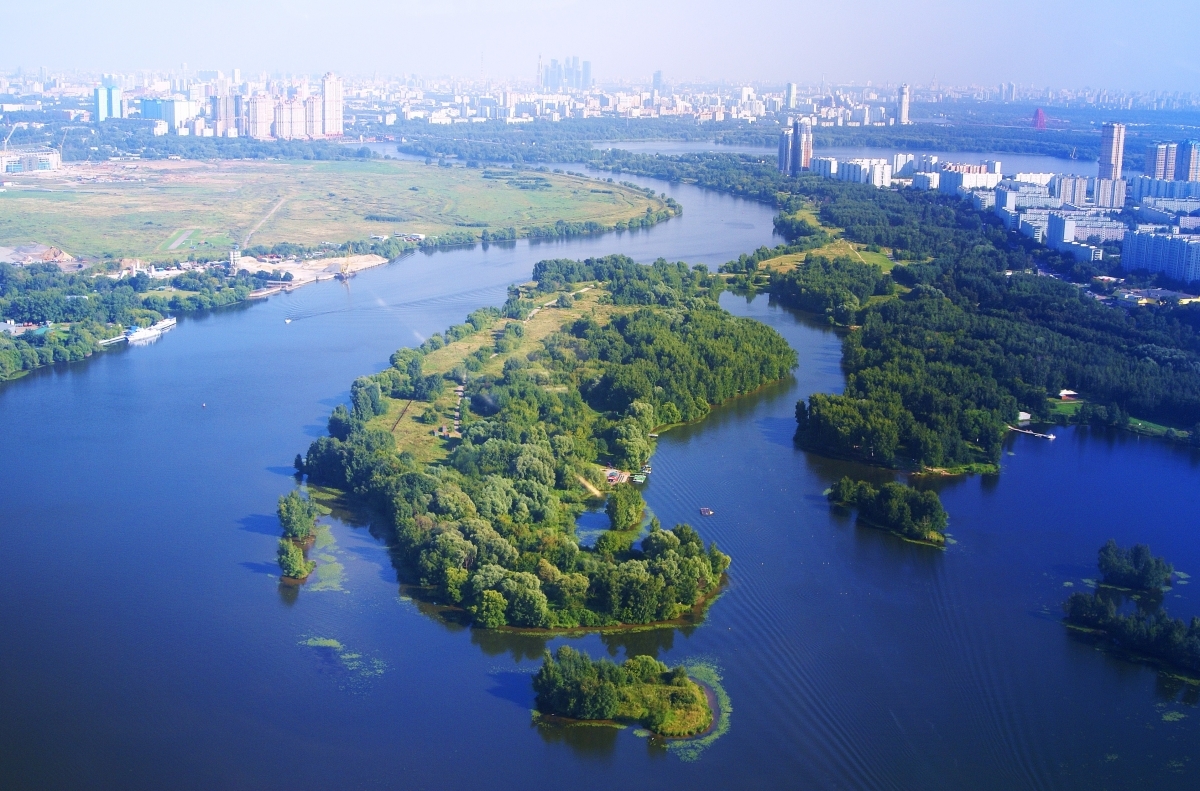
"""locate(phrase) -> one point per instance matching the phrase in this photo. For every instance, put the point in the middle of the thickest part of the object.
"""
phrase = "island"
(910, 513)
(479, 449)
(641, 690)
(298, 515)
(1146, 634)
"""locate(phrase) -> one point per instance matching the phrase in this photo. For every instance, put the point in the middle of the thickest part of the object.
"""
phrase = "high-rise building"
(658, 81)
(1187, 161)
(789, 96)
(1071, 189)
(1160, 161)
(289, 119)
(1175, 255)
(260, 115)
(802, 146)
(1108, 193)
(331, 105)
(101, 103)
(587, 74)
(1112, 150)
(314, 117)
(108, 103)
(902, 109)
(222, 113)
(785, 152)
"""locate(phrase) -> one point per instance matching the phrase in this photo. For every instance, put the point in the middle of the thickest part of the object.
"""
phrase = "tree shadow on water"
(521, 647)
(587, 741)
(263, 524)
(514, 687)
(649, 642)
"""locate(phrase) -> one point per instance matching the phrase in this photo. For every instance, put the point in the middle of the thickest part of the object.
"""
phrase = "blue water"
(147, 643)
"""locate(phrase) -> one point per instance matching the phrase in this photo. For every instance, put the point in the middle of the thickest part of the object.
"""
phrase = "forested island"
(573, 373)
(1148, 631)
(910, 513)
(640, 690)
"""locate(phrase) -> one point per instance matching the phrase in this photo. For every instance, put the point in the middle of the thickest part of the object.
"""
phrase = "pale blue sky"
(1139, 45)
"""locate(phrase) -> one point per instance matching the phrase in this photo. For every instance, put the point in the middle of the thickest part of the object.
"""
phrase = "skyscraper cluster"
(570, 75)
(1173, 161)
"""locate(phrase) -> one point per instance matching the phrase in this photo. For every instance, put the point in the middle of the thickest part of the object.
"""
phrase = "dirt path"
(588, 485)
(275, 208)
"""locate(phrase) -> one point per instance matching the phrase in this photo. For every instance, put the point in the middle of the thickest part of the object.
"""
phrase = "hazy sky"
(1149, 44)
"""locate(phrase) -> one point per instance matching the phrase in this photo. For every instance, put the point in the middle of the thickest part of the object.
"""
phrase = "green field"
(161, 211)
(836, 248)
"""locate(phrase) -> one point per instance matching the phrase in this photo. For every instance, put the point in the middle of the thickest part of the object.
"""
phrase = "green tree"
(292, 561)
(490, 612)
(297, 514)
(625, 508)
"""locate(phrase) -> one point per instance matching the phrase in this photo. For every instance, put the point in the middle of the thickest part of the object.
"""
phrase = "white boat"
(150, 333)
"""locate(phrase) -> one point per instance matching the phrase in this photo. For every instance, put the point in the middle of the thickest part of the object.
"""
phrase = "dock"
(1031, 433)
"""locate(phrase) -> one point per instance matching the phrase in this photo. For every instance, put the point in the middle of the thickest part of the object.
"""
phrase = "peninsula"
(481, 447)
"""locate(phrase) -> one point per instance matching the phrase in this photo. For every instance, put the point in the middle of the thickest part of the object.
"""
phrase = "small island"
(480, 448)
(1148, 632)
(298, 515)
(641, 690)
(910, 513)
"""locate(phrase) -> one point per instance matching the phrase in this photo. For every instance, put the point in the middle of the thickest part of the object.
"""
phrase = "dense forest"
(94, 307)
(1148, 630)
(839, 287)
(492, 528)
(912, 513)
(1133, 568)
(935, 375)
(641, 690)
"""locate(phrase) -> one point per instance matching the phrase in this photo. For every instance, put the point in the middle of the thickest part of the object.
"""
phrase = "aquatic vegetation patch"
(358, 667)
(708, 673)
(1173, 716)
(329, 573)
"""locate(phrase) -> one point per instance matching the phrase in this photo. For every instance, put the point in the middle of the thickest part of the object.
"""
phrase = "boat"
(647, 469)
(653, 436)
(706, 512)
(287, 321)
(137, 334)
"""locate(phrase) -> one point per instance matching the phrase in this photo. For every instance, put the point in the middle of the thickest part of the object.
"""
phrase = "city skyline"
(501, 41)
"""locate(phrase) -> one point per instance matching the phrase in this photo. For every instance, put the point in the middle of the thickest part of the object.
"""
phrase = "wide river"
(147, 643)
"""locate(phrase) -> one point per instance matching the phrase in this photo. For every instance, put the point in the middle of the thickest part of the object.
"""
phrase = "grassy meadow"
(167, 210)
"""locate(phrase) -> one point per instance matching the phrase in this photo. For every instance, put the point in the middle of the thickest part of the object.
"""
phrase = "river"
(147, 644)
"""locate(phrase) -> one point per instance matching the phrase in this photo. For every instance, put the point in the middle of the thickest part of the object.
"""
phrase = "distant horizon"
(856, 42)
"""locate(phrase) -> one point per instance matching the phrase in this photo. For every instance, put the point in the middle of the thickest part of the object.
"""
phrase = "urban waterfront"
(149, 644)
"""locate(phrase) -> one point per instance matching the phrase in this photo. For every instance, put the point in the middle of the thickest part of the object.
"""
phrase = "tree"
(298, 515)
(292, 561)
(1135, 567)
(624, 508)
(489, 613)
